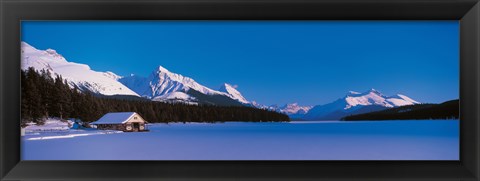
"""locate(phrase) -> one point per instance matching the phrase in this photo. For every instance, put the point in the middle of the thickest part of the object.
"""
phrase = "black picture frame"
(13, 11)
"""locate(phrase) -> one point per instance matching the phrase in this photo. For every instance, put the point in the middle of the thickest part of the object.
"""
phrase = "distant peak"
(228, 88)
(372, 90)
(357, 94)
(229, 85)
(226, 85)
(162, 69)
(292, 104)
(353, 93)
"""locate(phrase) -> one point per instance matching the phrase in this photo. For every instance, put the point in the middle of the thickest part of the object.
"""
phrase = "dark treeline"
(446, 110)
(44, 96)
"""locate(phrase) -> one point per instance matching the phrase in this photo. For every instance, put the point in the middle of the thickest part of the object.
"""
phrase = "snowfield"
(322, 140)
(56, 129)
(66, 134)
(50, 125)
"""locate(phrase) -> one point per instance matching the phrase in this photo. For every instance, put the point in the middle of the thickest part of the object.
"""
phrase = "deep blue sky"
(272, 62)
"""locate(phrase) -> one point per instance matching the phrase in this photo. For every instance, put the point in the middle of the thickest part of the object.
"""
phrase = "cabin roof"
(114, 118)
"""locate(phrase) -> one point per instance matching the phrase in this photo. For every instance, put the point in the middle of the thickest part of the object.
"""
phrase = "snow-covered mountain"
(357, 103)
(163, 85)
(79, 75)
(294, 108)
(374, 97)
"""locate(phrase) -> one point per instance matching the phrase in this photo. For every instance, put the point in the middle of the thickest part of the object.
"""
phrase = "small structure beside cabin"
(78, 124)
(123, 121)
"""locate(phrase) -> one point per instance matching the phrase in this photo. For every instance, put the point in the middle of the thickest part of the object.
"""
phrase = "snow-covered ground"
(50, 124)
(56, 129)
(331, 140)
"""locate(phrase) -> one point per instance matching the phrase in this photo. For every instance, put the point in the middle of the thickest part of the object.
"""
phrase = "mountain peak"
(162, 69)
(351, 93)
(293, 108)
(32, 54)
(372, 90)
(226, 86)
(233, 92)
(292, 104)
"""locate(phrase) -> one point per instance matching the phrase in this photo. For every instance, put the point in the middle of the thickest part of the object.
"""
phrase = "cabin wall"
(136, 119)
(119, 127)
(122, 127)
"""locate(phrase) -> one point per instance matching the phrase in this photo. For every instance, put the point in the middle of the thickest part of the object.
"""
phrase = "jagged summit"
(294, 108)
(352, 93)
(164, 85)
(162, 69)
(233, 92)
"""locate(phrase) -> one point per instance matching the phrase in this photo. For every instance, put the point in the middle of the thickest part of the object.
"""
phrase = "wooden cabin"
(123, 121)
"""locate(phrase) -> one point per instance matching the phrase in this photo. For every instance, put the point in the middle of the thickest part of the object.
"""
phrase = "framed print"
(291, 105)
(240, 90)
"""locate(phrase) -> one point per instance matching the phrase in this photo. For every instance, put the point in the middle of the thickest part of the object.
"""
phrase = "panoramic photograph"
(240, 90)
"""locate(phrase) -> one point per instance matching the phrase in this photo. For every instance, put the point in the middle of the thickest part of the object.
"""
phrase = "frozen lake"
(331, 140)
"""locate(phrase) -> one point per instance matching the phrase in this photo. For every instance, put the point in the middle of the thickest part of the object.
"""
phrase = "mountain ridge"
(76, 74)
(166, 86)
(355, 103)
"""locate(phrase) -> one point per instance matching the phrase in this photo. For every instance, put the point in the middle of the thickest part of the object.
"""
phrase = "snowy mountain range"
(165, 86)
(293, 110)
(357, 103)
